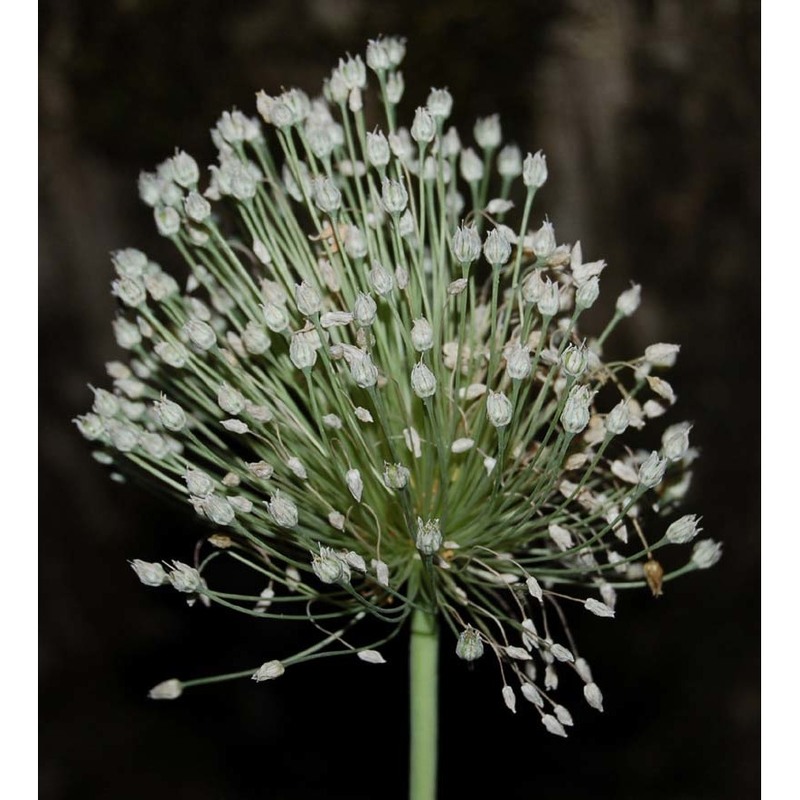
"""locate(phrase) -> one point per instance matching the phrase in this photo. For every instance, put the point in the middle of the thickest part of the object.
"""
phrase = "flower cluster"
(374, 388)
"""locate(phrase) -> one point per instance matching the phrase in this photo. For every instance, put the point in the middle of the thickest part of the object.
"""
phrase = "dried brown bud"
(654, 574)
(220, 540)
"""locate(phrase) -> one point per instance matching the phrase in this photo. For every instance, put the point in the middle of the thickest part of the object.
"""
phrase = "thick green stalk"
(424, 669)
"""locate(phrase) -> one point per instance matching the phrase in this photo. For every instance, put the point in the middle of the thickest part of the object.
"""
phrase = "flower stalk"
(423, 705)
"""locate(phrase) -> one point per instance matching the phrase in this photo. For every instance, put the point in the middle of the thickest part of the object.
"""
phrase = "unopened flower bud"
(170, 414)
(327, 197)
(269, 671)
(587, 293)
(282, 510)
(439, 103)
(534, 170)
(706, 553)
(301, 352)
(618, 419)
(470, 645)
(549, 299)
(378, 56)
(395, 476)
(423, 381)
(496, 248)
(652, 470)
(197, 207)
(575, 360)
(593, 695)
(363, 371)
(487, 132)
(518, 362)
(166, 690)
(168, 221)
(429, 537)
(131, 291)
(422, 335)
(393, 196)
(662, 355)
(149, 573)
(395, 87)
(200, 333)
(307, 299)
(354, 483)
(675, 441)
(509, 161)
(378, 153)
(381, 279)
(466, 244)
(185, 578)
(576, 413)
(328, 567)
(364, 311)
(629, 300)
(683, 530)
(470, 165)
(499, 409)
(424, 127)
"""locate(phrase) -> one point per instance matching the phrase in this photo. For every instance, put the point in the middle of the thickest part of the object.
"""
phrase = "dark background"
(649, 115)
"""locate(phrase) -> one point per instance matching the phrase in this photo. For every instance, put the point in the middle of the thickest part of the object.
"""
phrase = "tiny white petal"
(510, 699)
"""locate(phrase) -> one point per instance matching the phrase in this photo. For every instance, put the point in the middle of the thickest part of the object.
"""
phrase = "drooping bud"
(149, 573)
(269, 671)
(166, 690)
(354, 483)
(593, 695)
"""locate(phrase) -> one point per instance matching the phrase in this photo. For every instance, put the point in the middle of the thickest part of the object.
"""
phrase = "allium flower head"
(377, 393)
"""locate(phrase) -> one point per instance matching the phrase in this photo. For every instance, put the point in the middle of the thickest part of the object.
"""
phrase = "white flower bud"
(534, 589)
(423, 381)
(509, 161)
(629, 300)
(170, 414)
(296, 466)
(332, 421)
(661, 355)
(327, 197)
(450, 144)
(301, 352)
(149, 573)
(429, 537)
(353, 72)
(268, 671)
(371, 657)
(198, 483)
(354, 483)
(363, 414)
(200, 333)
(381, 279)
(470, 165)
(329, 568)
(456, 287)
(487, 132)
(218, 509)
(255, 339)
(197, 207)
(395, 86)
(544, 240)
(618, 419)
(675, 441)
(307, 299)
(230, 400)
(560, 653)
(424, 127)
(105, 404)
(587, 293)
(131, 291)
(652, 470)
(395, 476)
(576, 413)
(378, 55)
(393, 196)
(553, 725)
(499, 409)
(401, 277)
(363, 371)
(407, 226)
(235, 425)
(469, 646)
(549, 301)
(593, 695)
(282, 510)
(261, 469)
(355, 245)
(166, 690)
(597, 608)
(683, 530)
(531, 694)
(275, 317)
(168, 221)
(365, 310)
(534, 170)
(439, 103)
(518, 362)
(575, 360)
(706, 553)
(378, 153)
(422, 335)
(509, 699)
(185, 578)
(91, 426)
(466, 244)
(496, 248)
(518, 653)
(462, 445)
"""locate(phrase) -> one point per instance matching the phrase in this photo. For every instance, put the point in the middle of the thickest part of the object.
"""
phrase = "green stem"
(424, 709)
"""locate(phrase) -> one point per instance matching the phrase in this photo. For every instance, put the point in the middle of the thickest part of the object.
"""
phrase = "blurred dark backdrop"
(649, 114)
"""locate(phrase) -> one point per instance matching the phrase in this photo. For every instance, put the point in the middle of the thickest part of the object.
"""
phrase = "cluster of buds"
(375, 391)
